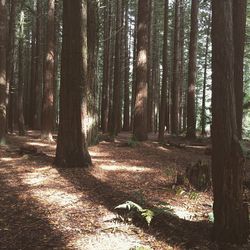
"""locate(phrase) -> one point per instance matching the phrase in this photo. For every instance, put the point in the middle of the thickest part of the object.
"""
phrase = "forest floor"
(43, 207)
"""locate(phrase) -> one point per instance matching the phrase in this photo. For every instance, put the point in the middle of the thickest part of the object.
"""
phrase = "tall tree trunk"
(141, 95)
(176, 73)
(70, 144)
(3, 82)
(126, 117)
(106, 66)
(21, 75)
(163, 111)
(117, 73)
(92, 117)
(239, 31)
(230, 213)
(191, 114)
(203, 109)
(10, 65)
(48, 88)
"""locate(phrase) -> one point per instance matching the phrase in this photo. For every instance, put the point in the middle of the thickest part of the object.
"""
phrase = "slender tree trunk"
(48, 89)
(163, 112)
(231, 221)
(3, 82)
(70, 144)
(140, 115)
(106, 66)
(239, 31)
(117, 73)
(21, 76)
(203, 109)
(126, 120)
(176, 73)
(10, 65)
(191, 114)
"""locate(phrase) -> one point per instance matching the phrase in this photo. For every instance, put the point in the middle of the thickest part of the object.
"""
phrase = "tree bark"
(3, 82)
(141, 92)
(49, 77)
(163, 111)
(230, 213)
(70, 144)
(191, 114)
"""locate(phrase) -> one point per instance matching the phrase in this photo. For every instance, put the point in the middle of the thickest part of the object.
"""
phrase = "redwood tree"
(230, 213)
(70, 151)
(48, 89)
(140, 109)
(3, 32)
(191, 115)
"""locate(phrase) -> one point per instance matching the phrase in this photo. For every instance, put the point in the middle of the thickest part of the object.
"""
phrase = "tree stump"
(199, 176)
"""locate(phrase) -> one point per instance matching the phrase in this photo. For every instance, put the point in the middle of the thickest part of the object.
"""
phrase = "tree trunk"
(239, 29)
(191, 114)
(163, 111)
(203, 109)
(48, 89)
(3, 82)
(230, 213)
(140, 114)
(70, 151)
(176, 73)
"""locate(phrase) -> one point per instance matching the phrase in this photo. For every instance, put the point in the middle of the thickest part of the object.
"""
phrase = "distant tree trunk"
(117, 73)
(3, 82)
(231, 221)
(39, 66)
(70, 142)
(126, 117)
(48, 89)
(92, 117)
(106, 66)
(239, 31)
(21, 76)
(140, 114)
(162, 118)
(176, 73)
(10, 65)
(191, 114)
(203, 109)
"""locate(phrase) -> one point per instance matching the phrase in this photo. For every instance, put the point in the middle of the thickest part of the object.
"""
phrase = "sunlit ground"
(84, 223)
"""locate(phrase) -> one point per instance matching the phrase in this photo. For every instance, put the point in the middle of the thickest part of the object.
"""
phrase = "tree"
(175, 94)
(140, 112)
(3, 82)
(162, 118)
(49, 76)
(239, 29)
(230, 213)
(191, 115)
(70, 151)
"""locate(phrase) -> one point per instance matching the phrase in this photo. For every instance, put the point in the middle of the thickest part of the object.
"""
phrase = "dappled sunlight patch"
(182, 213)
(6, 159)
(124, 168)
(42, 144)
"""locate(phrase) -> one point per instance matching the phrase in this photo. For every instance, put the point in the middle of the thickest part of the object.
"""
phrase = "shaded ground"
(43, 207)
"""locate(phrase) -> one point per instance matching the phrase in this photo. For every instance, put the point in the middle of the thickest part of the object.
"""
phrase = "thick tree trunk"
(70, 151)
(191, 114)
(230, 213)
(48, 89)
(140, 114)
(3, 82)
(163, 111)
